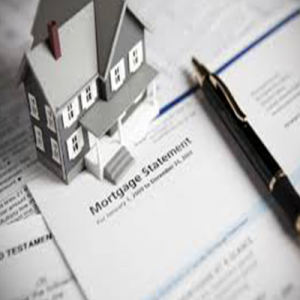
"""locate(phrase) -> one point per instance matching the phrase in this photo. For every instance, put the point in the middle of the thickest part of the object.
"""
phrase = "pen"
(234, 119)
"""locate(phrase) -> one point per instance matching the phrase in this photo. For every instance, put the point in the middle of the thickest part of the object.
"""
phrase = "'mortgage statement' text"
(134, 182)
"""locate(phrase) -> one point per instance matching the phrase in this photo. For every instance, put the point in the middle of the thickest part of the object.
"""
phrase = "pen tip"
(198, 66)
(200, 69)
(194, 61)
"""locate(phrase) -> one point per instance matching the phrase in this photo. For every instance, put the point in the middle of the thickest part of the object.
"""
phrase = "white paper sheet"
(174, 219)
(31, 266)
(211, 30)
(266, 83)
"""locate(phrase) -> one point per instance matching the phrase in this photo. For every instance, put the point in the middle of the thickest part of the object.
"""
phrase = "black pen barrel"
(239, 132)
(257, 154)
(288, 199)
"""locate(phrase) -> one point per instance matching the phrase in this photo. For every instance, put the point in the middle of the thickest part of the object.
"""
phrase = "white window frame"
(55, 151)
(34, 112)
(73, 150)
(50, 118)
(39, 141)
(118, 75)
(88, 95)
(136, 57)
(75, 111)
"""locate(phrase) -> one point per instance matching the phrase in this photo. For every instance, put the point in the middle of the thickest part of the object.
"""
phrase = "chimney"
(54, 41)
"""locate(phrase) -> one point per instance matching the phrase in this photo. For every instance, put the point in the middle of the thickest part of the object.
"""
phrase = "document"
(18, 163)
(18, 206)
(266, 84)
(31, 267)
(212, 30)
(185, 223)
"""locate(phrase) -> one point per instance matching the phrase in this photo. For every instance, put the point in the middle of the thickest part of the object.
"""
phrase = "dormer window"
(70, 109)
(88, 92)
(117, 75)
(136, 57)
(34, 112)
(71, 113)
(89, 95)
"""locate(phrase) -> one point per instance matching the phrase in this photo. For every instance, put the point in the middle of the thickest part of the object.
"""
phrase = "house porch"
(110, 156)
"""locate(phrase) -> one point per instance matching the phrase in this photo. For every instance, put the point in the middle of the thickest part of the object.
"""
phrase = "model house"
(88, 86)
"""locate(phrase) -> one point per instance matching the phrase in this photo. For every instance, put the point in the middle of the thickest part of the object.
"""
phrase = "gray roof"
(54, 10)
(104, 114)
(62, 79)
(109, 18)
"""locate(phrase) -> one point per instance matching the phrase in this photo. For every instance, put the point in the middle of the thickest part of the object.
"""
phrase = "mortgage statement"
(214, 30)
(187, 222)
